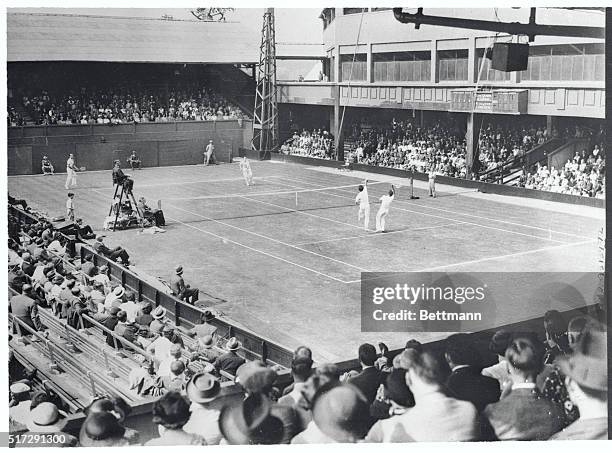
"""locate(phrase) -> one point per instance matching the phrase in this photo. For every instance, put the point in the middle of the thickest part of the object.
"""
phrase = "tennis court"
(287, 253)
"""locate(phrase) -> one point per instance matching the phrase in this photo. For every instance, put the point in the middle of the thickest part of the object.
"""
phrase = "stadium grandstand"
(174, 284)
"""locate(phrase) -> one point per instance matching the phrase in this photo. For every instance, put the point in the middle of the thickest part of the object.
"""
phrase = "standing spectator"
(587, 383)
(203, 391)
(498, 345)
(102, 429)
(70, 207)
(523, 414)
(465, 381)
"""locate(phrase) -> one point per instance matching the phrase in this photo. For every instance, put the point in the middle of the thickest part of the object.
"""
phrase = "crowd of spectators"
(317, 143)
(404, 145)
(500, 144)
(123, 105)
(582, 175)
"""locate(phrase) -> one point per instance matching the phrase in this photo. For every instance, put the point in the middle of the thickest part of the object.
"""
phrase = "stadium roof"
(67, 37)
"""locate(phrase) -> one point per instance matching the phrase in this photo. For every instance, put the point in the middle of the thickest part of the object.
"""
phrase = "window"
(484, 72)
(453, 65)
(581, 62)
(402, 66)
(353, 71)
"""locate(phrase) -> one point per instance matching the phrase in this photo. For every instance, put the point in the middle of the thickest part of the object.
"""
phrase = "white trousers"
(364, 211)
(380, 219)
(70, 179)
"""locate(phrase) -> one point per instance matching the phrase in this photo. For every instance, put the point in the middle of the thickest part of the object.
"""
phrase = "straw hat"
(203, 388)
(46, 418)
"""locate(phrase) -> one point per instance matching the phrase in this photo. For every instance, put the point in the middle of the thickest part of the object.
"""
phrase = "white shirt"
(210, 148)
(362, 197)
(162, 348)
(69, 164)
(69, 204)
(131, 309)
(385, 202)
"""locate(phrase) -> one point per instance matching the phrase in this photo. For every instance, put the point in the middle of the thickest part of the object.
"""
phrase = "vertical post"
(369, 72)
(473, 66)
(434, 61)
(471, 143)
(92, 383)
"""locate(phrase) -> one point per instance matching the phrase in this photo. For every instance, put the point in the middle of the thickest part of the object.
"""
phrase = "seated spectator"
(301, 369)
(203, 390)
(19, 404)
(172, 412)
(400, 399)
(159, 320)
(250, 422)
(204, 349)
(174, 354)
(134, 161)
(256, 378)
(119, 409)
(435, 416)
(465, 381)
(317, 144)
(109, 320)
(126, 329)
(175, 381)
(118, 253)
(24, 308)
(47, 166)
(102, 429)
(180, 289)
(130, 306)
(370, 378)
(230, 361)
(47, 419)
(144, 317)
(204, 328)
(498, 345)
(161, 345)
(587, 384)
(85, 231)
(523, 414)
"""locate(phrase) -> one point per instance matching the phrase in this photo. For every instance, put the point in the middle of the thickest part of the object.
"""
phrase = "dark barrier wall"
(484, 187)
(97, 145)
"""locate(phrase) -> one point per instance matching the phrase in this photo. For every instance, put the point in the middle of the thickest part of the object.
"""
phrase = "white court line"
(491, 258)
(369, 236)
(271, 239)
(189, 182)
(441, 217)
(480, 217)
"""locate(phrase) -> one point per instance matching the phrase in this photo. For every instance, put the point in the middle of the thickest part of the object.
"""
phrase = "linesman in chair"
(180, 289)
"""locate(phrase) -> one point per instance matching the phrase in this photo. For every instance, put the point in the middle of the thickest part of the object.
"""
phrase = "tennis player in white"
(364, 204)
(385, 204)
(247, 173)
(71, 173)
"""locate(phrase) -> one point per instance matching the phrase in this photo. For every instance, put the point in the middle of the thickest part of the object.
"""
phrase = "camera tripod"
(129, 195)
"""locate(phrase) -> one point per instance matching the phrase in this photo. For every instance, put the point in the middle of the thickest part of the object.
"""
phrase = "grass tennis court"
(286, 254)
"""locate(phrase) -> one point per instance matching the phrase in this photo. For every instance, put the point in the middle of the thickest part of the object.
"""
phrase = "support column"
(337, 131)
(434, 61)
(471, 144)
(369, 72)
(472, 61)
(551, 124)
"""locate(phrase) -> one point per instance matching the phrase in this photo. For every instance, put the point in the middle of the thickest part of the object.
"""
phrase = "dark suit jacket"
(228, 362)
(469, 385)
(524, 414)
(368, 382)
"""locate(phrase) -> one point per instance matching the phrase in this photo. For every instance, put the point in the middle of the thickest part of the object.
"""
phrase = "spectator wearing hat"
(19, 404)
(204, 328)
(144, 317)
(175, 380)
(172, 412)
(435, 416)
(399, 399)
(341, 414)
(161, 345)
(256, 378)
(114, 254)
(523, 414)
(47, 419)
(102, 429)
(204, 391)
(586, 379)
(250, 422)
(498, 345)
(204, 349)
(24, 308)
(159, 320)
(115, 298)
(109, 320)
(230, 361)
(370, 378)
(180, 289)
(465, 381)
(117, 407)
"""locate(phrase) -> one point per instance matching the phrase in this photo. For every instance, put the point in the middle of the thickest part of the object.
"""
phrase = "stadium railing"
(184, 315)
